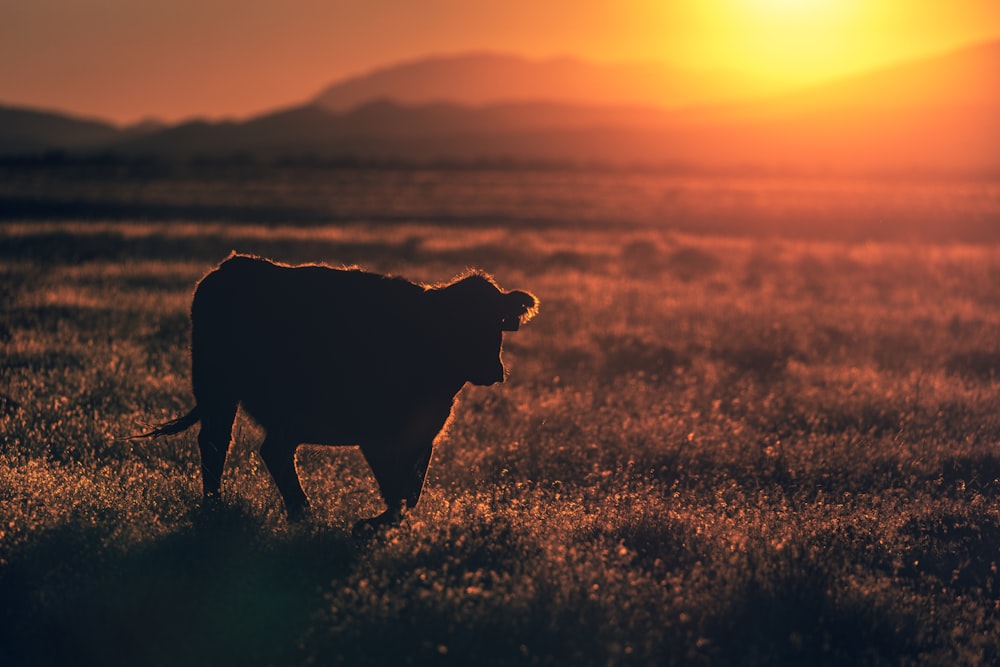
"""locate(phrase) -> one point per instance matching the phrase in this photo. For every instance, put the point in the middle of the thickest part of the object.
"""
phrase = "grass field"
(738, 449)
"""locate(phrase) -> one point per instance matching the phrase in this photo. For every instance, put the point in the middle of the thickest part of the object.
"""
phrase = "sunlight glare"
(792, 40)
(792, 6)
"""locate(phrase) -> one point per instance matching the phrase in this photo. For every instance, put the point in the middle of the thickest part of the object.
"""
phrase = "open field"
(756, 448)
(759, 204)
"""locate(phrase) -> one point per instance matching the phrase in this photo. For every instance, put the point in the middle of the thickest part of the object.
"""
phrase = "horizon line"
(788, 85)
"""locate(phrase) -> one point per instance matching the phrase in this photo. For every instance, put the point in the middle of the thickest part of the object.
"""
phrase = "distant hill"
(386, 130)
(33, 131)
(964, 78)
(483, 79)
(937, 112)
(934, 114)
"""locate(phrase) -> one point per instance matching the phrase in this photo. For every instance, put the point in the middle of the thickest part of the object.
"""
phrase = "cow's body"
(339, 357)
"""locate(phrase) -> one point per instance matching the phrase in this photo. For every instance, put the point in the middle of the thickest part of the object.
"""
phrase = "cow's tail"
(171, 427)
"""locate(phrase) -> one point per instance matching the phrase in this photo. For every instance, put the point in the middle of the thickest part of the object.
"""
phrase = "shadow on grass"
(485, 595)
(794, 613)
(219, 591)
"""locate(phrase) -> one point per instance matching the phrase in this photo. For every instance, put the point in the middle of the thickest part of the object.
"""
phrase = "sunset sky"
(124, 60)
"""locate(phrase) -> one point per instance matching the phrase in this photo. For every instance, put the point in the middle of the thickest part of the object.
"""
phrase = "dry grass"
(711, 451)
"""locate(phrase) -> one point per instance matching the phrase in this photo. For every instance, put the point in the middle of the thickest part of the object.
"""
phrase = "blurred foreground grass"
(711, 451)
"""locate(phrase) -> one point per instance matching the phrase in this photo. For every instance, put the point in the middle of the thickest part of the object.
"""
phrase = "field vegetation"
(749, 448)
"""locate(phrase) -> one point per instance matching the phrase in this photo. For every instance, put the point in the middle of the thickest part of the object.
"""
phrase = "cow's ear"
(518, 307)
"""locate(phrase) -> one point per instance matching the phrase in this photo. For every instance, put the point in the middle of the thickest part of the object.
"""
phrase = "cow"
(332, 356)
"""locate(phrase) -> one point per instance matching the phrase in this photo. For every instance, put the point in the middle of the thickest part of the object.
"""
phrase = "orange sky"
(123, 60)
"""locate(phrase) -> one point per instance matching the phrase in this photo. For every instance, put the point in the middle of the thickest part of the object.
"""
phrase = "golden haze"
(174, 60)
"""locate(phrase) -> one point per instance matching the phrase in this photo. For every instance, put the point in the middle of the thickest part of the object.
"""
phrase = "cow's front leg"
(279, 457)
(400, 476)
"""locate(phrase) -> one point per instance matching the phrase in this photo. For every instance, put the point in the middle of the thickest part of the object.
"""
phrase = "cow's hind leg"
(213, 442)
(400, 478)
(279, 457)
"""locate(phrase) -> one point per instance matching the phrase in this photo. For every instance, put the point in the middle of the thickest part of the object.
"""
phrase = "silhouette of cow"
(339, 357)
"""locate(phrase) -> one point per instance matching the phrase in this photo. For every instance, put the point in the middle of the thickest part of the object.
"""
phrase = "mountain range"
(939, 113)
(481, 79)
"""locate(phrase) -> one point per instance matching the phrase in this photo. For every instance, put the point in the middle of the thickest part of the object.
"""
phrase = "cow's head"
(477, 313)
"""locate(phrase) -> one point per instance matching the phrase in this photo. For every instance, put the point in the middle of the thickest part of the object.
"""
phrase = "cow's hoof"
(368, 528)
(210, 511)
(297, 514)
(210, 502)
(364, 530)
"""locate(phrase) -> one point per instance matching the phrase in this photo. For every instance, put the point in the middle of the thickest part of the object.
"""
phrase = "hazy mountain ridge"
(481, 79)
(30, 130)
(936, 113)
(26, 131)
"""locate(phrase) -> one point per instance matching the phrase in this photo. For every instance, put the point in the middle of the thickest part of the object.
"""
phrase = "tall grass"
(711, 451)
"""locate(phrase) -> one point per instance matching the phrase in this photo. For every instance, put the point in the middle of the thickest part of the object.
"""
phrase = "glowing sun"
(791, 39)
